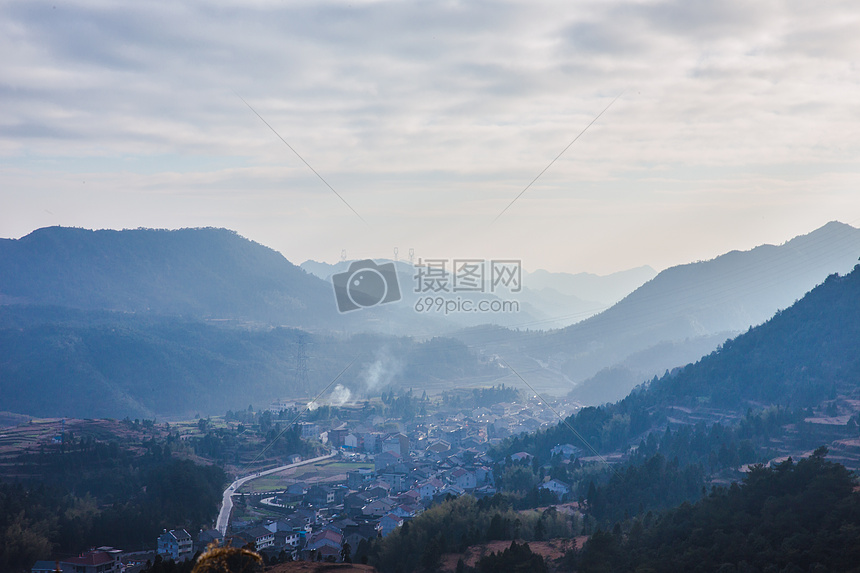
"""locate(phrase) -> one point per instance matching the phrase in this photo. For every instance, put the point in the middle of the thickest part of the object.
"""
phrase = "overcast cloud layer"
(740, 124)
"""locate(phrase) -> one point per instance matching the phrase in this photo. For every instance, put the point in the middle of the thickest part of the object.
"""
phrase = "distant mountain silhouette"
(675, 318)
(209, 273)
(803, 355)
(199, 302)
(715, 299)
(547, 300)
(154, 322)
(206, 273)
(605, 289)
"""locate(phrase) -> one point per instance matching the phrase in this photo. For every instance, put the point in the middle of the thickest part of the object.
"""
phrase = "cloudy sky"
(738, 124)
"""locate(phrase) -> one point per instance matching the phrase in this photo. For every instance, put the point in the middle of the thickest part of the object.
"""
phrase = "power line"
(302, 158)
(558, 156)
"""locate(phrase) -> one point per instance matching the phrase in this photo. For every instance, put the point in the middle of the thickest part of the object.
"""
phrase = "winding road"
(227, 501)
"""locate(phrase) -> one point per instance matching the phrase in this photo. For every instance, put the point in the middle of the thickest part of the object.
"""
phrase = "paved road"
(227, 501)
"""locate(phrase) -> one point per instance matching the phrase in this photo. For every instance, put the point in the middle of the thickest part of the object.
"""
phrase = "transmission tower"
(301, 363)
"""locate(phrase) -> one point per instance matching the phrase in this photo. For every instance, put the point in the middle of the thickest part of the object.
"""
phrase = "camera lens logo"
(365, 284)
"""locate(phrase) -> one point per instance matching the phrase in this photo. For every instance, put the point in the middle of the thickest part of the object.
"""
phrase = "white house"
(428, 489)
(309, 430)
(463, 479)
(397, 481)
(325, 538)
(378, 507)
(176, 544)
(396, 443)
(350, 442)
(292, 539)
(557, 487)
(371, 442)
(279, 406)
(259, 536)
(566, 450)
(449, 489)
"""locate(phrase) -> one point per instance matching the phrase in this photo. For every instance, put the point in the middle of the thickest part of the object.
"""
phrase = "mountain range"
(215, 274)
(209, 317)
(782, 388)
(802, 356)
(684, 312)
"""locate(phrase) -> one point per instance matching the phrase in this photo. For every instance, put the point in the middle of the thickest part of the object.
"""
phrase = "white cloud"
(429, 118)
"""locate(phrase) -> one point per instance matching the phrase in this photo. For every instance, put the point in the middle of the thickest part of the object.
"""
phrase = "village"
(371, 471)
(399, 474)
(379, 473)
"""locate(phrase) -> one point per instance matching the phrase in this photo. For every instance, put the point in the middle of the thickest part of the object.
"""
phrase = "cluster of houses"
(323, 518)
(412, 469)
(482, 426)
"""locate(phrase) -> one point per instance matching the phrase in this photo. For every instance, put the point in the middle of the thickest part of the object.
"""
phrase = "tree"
(515, 559)
(265, 422)
(362, 550)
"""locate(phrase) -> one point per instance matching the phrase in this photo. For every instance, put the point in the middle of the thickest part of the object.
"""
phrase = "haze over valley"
(429, 287)
(213, 316)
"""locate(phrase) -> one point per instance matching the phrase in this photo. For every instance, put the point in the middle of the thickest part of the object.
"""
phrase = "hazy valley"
(200, 356)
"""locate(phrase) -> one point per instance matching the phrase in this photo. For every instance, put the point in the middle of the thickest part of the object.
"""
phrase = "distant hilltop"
(205, 273)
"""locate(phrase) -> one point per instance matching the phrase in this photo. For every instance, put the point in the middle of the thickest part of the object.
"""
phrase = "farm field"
(322, 472)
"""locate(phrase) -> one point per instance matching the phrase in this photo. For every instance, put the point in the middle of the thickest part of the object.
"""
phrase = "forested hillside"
(61, 362)
(687, 305)
(94, 493)
(802, 516)
(775, 374)
(802, 355)
(783, 388)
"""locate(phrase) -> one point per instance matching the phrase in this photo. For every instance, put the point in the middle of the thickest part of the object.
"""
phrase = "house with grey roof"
(175, 544)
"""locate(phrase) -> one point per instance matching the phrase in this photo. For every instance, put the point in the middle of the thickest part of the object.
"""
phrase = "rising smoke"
(381, 371)
(340, 395)
(379, 374)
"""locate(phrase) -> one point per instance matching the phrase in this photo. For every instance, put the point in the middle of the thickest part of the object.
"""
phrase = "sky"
(733, 124)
